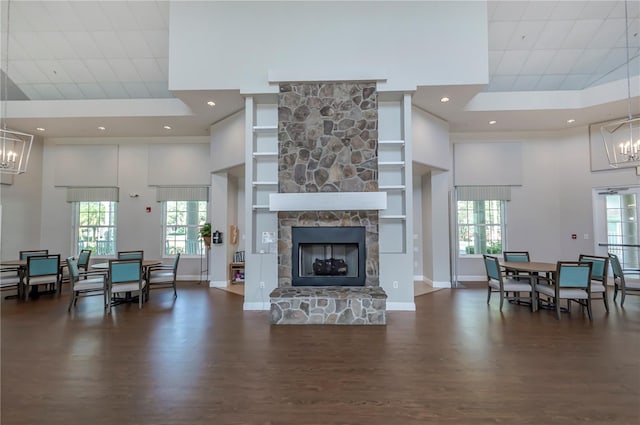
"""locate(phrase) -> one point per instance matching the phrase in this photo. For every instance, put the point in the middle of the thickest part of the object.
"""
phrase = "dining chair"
(599, 274)
(26, 254)
(85, 283)
(622, 283)
(516, 256)
(131, 255)
(163, 275)
(497, 282)
(125, 276)
(83, 259)
(571, 282)
(11, 278)
(41, 270)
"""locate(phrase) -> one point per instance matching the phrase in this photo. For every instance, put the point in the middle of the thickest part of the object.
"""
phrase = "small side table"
(236, 273)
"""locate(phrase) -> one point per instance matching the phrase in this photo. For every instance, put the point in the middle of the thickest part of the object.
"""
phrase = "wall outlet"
(262, 285)
(395, 284)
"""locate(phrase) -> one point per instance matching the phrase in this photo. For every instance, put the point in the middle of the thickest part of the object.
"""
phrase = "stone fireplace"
(328, 260)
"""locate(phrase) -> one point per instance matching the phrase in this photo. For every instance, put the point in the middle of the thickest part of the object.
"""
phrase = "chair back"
(43, 265)
(615, 266)
(573, 274)
(492, 266)
(125, 271)
(517, 256)
(83, 259)
(26, 254)
(130, 255)
(599, 268)
(72, 265)
(175, 263)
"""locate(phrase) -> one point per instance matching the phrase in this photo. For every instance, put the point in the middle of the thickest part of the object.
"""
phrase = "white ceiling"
(83, 50)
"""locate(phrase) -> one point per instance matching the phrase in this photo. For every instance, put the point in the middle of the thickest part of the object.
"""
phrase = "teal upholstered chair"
(599, 274)
(85, 283)
(125, 276)
(572, 282)
(129, 255)
(11, 278)
(163, 275)
(83, 259)
(622, 283)
(26, 254)
(41, 270)
(497, 282)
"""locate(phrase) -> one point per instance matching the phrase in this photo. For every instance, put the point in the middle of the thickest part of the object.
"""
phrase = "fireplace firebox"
(328, 256)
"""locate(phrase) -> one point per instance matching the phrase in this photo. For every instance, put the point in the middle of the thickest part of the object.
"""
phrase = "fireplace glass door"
(328, 260)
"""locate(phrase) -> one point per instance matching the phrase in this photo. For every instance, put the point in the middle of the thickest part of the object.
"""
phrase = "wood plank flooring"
(201, 360)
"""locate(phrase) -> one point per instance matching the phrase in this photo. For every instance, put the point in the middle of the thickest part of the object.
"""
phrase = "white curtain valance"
(92, 194)
(484, 193)
(185, 193)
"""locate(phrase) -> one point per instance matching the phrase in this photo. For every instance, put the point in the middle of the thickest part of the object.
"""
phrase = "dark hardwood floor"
(202, 360)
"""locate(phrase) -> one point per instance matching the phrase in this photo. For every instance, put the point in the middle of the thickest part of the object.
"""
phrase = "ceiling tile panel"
(29, 91)
(34, 14)
(147, 15)
(26, 72)
(54, 71)
(137, 90)
(568, 9)
(114, 90)
(17, 19)
(607, 34)
(63, 14)
(158, 42)
(538, 61)
(563, 61)
(553, 34)
(148, 69)
(500, 34)
(109, 44)
(163, 8)
(581, 34)
(525, 82)
(634, 40)
(501, 83)
(512, 62)
(57, 43)
(575, 82)
(83, 44)
(31, 42)
(101, 70)
(597, 10)
(550, 82)
(509, 11)
(16, 51)
(589, 60)
(539, 10)
(159, 89)
(491, 8)
(92, 90)
(495, 56)
(134, 44)
(119, 15)
(91, 16)
(70, 91)
(124, 70)
(78, 71)
(47, 92)
(525, 35)
(163, 63)
(615, 59)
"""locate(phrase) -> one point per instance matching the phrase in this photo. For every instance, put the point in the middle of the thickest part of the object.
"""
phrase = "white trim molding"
(400, 306)
(256, 306)
(218, 284)
(328, 201)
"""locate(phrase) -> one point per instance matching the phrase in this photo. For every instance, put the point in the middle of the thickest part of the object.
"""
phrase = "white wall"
(430, 140)
(227, 142)
(244, 45)
(555, 199)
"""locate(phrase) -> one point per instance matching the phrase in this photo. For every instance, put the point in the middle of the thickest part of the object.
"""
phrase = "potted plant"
(205, 233)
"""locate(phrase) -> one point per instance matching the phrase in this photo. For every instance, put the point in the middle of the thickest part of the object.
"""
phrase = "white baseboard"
(418, 278)
(195, 277)
(441, 284)
(218, 284)
(397, 306)
(256, 306)
(471, 278)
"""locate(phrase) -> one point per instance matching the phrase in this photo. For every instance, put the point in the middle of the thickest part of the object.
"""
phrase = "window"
(182, 221)
(95, 226)
(480, 227)
(622, 229)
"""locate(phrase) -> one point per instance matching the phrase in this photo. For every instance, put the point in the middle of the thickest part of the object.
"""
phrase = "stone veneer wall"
(328, 142)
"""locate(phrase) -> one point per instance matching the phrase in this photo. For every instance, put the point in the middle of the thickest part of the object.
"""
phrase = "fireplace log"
(330, 267)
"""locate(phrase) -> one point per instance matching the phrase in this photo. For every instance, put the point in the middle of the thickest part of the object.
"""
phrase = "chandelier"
(622, 137)
(15, 146)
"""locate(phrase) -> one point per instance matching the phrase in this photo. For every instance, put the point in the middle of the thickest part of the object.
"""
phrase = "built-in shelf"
(391, 142)
(265, 154)
(391, 163)
(265, 128)
(392, 187)
(392, 217)
(265, 183)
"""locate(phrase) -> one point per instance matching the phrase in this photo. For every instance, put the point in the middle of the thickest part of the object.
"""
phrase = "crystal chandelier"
(15, 146)
(622, 137)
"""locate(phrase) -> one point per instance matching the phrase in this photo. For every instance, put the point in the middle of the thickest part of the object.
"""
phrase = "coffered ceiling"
(87, 50)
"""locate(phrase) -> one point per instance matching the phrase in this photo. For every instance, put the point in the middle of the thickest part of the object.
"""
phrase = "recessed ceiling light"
(445, 99)
(40, 128)
(211, 103)
(167, 127)
(101, 128)
(571, 121)
(492, 122)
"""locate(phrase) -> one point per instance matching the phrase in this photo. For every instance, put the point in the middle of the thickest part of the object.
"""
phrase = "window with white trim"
(181, 224)
(480, 227)
(95, 226)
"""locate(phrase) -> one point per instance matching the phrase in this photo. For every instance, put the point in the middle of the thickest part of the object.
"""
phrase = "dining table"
(535, 269)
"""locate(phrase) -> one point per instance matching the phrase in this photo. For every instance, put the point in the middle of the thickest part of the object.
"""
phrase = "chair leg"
(589, 308)
(615, 291)
(175, 290)
(72, 299)
(606, 301)
(624, 295)
(488, 294)
(557, 309)
(501, 299)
